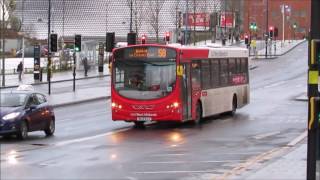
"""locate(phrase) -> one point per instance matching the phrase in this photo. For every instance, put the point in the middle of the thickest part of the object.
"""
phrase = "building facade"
(291, 17)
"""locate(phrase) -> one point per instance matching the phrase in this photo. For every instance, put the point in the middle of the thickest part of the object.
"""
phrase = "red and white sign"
(197, 19)
(227, 19)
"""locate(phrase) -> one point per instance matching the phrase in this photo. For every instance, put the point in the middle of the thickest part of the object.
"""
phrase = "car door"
(44, 109)
(33, 113)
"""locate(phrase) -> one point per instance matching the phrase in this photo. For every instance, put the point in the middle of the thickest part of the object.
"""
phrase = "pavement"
(288, 162)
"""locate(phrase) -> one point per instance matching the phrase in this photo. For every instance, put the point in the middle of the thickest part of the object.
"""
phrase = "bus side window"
(215, 73)
(224, 72)
(205, 74)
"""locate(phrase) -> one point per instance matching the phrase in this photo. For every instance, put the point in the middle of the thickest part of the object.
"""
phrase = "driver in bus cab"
(136, 81)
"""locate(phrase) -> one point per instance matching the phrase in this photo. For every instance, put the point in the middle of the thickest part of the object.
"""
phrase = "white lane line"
(161, 155)
(265, 135)
(172, 172)
(298, 139)
(184, 162)
(275, 84)
(63, 143)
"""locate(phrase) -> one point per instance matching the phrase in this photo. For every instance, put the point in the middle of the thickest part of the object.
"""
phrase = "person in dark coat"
(20, 70)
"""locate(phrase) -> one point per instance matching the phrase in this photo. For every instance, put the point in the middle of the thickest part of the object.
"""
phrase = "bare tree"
(175, 11)
(138, 14)
(154, 9)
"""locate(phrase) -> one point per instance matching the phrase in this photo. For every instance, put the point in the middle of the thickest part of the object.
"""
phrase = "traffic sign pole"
(313, 92)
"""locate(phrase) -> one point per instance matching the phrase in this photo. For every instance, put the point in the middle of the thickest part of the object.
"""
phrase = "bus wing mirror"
(180, 70)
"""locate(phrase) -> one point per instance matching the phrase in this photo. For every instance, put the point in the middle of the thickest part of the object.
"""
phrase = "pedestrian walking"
(20, 70)
(85, 66)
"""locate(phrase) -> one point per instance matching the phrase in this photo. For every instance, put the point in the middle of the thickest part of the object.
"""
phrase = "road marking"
(253, 161)
(160, 155)
(261, 158)
(172, 172)
(184, 162)
(298, 139)
(67, 142)
(275, 84)
(265, 135)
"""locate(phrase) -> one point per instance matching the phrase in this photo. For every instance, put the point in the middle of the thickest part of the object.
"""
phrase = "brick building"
(297, 14)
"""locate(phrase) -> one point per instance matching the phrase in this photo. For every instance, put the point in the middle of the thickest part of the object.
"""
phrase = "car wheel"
(139, 125)
(23, 131)
(50, 128)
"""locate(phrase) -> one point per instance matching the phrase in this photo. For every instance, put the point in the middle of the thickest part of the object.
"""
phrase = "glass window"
(41, 98)
(205, 74)
(224, 72)
(144, 78)
(215, 73)
(12, 99)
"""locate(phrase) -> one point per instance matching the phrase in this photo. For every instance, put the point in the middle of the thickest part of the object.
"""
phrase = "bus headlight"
(116, 106)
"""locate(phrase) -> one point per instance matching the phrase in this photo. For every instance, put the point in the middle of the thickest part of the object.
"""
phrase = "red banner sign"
(226, 19)
(197, 19)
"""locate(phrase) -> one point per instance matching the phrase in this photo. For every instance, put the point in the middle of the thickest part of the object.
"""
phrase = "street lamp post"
(131, 9)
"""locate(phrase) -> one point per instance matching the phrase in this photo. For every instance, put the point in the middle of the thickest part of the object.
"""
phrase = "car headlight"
(11, 116)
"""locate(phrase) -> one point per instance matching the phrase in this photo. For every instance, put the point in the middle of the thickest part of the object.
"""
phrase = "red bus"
(177, 83)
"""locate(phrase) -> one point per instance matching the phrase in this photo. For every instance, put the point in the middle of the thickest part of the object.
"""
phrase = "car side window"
(41, 98)
(33, 100)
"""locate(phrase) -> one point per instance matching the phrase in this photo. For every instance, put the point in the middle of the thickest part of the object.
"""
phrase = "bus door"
(186, 92)
(195, 85)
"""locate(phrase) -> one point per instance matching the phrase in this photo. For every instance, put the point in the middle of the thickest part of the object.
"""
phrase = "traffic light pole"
(267, 26)
(49, 50)
(313, 93)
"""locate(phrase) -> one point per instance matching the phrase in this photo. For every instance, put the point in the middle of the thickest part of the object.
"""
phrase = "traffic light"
(77, 43)
(110, 41)
(131, 38)
(53, 42)
(246, 39)
(271, 31)
(294, 25)
(167, 37)
(315, 52)
(253, 26)
(143, 39)
(275, 32)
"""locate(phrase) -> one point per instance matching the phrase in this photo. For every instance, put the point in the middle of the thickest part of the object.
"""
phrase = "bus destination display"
(146, 52)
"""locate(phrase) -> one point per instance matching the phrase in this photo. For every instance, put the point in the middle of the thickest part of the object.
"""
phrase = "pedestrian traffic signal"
(246, 39)
(110, 41)
(315, 52)
(271, 31)
(275, 32)
(77, 43)
(167, 37)
(143, 39)
(53, 42)
(131, 38)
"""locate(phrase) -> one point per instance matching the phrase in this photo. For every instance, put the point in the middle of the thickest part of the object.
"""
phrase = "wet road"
(88, 145)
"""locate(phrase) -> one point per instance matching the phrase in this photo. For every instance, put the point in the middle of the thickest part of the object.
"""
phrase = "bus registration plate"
(144, 119)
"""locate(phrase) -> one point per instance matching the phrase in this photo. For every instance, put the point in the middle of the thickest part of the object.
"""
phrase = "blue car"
(25, 111)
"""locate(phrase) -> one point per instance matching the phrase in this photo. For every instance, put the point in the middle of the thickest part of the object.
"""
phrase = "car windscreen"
(12, 99)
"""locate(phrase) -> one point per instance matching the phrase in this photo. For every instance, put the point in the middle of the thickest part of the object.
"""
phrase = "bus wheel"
(234, 106)
(139, 125)
(198, 114)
